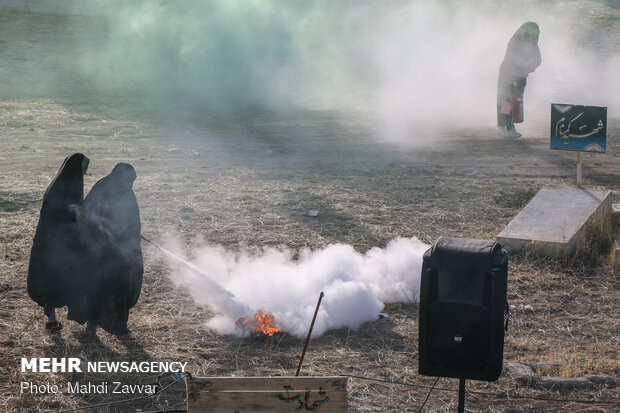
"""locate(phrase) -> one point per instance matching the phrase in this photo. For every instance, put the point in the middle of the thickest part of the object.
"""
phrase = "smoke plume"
(420, 65)
(356, 285)
(416, 66)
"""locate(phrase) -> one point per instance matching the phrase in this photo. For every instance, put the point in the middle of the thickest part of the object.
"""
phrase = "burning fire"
(262, 322)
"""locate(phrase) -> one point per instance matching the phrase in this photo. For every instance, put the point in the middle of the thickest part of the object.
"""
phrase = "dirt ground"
(246, 182)
(472, 186)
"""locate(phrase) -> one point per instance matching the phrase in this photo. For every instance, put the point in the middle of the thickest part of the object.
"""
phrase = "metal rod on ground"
(303, 352)
(461, 408)
(579, 177)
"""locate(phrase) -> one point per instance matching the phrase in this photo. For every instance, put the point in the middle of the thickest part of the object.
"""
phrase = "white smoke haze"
(421, 66)
(356, 285)
(440, 67)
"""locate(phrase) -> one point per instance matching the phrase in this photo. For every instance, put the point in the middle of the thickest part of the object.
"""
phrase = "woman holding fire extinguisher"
(522, 57)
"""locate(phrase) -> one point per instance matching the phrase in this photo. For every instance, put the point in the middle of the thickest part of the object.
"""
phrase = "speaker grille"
(462, 338)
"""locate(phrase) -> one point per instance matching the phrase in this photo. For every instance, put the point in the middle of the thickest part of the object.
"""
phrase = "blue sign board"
(578, 128)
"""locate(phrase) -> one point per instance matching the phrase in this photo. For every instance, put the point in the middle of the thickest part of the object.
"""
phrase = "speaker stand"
(461, 408)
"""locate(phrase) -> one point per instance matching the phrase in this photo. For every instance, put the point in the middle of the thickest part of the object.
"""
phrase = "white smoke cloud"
(356, 285)
(439, 64)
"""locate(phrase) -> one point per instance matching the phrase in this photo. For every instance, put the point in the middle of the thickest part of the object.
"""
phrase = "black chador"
(110, 232)
(56, 256)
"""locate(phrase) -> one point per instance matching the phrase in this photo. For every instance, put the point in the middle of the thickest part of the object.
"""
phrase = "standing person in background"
(522, 57)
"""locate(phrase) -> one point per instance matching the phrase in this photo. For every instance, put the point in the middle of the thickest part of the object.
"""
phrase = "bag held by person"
(517, 107)
(506, 108)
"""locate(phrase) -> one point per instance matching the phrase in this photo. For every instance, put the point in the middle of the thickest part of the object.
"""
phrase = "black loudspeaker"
(463, 309)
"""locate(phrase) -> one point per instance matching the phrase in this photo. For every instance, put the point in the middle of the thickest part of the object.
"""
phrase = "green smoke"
(227, 54)
(411, 63)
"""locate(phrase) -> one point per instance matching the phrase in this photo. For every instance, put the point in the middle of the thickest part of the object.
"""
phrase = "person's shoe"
(513, 133)
(501, 130)
(53, 326)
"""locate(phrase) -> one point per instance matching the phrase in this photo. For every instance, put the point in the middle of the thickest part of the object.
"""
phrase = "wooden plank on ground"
(267, 394)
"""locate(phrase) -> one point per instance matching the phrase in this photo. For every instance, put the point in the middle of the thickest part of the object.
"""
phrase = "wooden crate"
(266, 394)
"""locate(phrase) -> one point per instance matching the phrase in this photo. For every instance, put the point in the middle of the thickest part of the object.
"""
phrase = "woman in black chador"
(110, 230)
(522, 57)
(86, 252)
(56, 255)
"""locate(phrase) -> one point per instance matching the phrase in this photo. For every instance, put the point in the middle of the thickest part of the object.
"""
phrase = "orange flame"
(263, 322)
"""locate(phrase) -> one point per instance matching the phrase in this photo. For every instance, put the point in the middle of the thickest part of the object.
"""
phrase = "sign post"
(578, 128)
(579, 177)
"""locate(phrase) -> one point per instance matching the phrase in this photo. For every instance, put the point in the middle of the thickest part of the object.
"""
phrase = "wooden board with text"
(267, 394)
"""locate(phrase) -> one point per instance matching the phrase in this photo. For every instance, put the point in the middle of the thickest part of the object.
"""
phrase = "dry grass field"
(249, 180)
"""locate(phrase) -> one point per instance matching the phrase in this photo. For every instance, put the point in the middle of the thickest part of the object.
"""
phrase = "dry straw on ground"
(208, 187)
